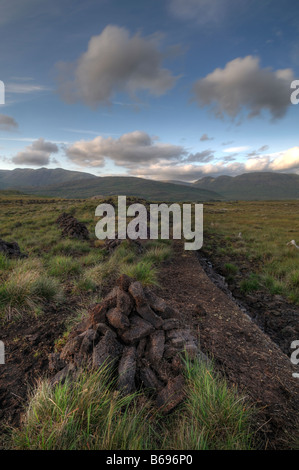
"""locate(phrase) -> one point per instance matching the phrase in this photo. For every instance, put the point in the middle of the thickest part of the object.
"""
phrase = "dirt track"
(247, 356)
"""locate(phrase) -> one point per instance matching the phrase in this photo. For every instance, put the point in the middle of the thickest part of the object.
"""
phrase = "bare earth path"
(247, 356)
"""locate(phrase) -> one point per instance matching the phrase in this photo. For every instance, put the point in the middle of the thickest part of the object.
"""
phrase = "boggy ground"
(273, 313)
(28, 343)
(246, 355)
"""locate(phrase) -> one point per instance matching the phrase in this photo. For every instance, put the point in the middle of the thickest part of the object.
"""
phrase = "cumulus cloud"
(201, 157)
(244, 87)
(205, 137)
(130, 150)
(186, 172)
(36, 154)
(115, 62)
(288, 160)
(143, 155)
(284, 162)
(7, 123)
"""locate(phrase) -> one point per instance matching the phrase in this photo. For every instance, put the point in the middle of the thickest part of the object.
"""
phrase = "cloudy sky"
(163, 89)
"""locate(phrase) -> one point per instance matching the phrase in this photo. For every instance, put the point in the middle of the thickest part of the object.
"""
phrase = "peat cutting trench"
(240, 349)
(246, 356)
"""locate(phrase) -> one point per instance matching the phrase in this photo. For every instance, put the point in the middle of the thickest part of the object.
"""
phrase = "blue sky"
(163, 89)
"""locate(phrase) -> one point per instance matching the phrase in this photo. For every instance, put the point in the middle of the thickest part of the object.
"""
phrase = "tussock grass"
(251, 284)
(91, 259)
(64, 266)
(70, 248)
(124, 253)
(87, 414)
(5, 263)
(213, 416)
(144, 271)
(158, 254)
(102, 273)
(26, 287)
(90, 414)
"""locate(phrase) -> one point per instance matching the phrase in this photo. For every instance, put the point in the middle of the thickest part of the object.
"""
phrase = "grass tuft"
(87, 414)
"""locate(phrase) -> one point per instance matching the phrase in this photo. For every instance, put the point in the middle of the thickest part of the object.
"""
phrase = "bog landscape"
(149, 229)
(138, 344)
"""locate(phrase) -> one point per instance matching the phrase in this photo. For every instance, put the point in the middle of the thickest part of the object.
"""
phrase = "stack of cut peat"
(111, 245)
(71, 227)
(11, 249)
(140, 335)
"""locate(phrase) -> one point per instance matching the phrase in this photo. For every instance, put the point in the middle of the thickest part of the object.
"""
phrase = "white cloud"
(285, 162)
(288, 160)
(236, 149)
(24, 88)
(7, 123)
(244, 87)
(36, 154)
(115, 62)
(143, 155)
(130, 150)
(186, 172)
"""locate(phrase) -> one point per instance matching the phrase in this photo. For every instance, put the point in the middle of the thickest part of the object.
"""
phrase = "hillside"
(75, 184)
(253, 186)
(24, 177)
(129, 186)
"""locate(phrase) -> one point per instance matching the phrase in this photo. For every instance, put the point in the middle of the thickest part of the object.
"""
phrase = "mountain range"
(253, 186)
(25, 177)
(72, 184)
(75, 184)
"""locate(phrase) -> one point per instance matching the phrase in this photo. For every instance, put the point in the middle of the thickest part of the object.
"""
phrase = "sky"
(160, 89)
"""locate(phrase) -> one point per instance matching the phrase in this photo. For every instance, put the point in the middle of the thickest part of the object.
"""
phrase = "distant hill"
(127, 186)
(76, 184)
(253, 186)
(24, 177)
(183, 183)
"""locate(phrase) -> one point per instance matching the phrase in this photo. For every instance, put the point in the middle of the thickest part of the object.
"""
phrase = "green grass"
(144, 271)
(230, 268)
(64, 266)
(266, 228)
(5, 263)
(89, 414)
(251, 284)
(70, 248)
(25, 287)
(158, 254)
(213, 416)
